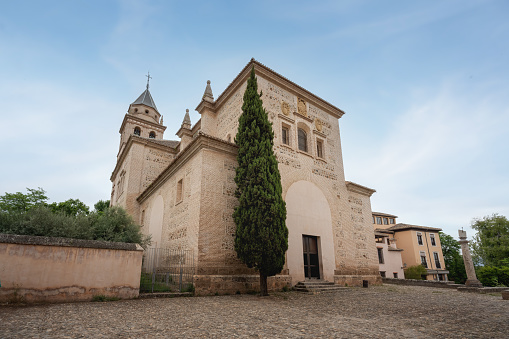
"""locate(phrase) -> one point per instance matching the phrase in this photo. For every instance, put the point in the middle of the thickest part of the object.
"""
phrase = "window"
(437, 260)
(319, 148)
(395, 275)
(382, 274)
(380, 255)
(388, 242)
(386, 221)
(419, 238)
(137, 131)
(303, 140)
(285, 135)
(379, 220)
(423, 259)
(180, 190)
(146, 111)
(152, 135)
(392, 221)
(432, 238)
(379, 240)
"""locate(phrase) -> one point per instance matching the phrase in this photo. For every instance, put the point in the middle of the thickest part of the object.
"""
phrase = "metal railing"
(166, 270)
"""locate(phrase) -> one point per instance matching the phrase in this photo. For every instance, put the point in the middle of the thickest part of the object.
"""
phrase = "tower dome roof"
(145, 99)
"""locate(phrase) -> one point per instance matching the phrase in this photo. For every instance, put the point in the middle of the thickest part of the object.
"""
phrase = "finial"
(148, 78)
(208, 96)
(252, 59)
(187, 120)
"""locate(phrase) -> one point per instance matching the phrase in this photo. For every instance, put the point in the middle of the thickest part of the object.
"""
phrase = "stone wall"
(414, 282)
(231, 284)
(43, 269)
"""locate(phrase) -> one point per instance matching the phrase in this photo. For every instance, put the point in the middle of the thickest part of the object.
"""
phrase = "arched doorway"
(310, 240)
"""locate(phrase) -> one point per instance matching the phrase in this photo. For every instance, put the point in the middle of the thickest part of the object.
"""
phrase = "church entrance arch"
(310, 239)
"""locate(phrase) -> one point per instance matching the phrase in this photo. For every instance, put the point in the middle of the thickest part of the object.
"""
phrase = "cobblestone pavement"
(376, 312)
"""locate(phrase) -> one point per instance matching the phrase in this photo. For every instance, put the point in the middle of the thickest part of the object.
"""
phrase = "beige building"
(389, 255)
(182, 192)
(419, 245)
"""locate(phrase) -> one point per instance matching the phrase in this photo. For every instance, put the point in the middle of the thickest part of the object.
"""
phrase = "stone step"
(317, 286)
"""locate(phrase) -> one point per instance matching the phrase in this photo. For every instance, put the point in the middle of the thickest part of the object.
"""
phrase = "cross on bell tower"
(148, 78)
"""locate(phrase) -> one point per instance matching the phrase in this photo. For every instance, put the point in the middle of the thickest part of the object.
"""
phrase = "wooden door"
(311, 262)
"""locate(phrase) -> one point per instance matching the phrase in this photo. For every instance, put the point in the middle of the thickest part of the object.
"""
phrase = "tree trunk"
(263, 285)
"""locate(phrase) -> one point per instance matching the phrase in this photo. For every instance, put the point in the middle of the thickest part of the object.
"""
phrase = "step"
(316, 286)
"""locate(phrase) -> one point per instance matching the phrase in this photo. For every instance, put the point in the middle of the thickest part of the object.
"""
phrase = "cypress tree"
(262, 237)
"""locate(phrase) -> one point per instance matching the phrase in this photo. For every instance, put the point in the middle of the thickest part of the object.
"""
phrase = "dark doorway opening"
(311, 262)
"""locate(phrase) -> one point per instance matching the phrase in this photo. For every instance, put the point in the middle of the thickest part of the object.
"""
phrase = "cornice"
(142, 122)
(136, 139)
(356, 188)
(202, 141)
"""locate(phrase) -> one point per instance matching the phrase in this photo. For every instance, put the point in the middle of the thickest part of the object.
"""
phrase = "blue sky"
(424, 84)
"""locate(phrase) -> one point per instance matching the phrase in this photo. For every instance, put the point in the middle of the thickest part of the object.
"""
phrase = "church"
(182, 191)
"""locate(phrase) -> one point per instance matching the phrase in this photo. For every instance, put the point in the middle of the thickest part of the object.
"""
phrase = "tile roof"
(401, 227)
(145, 99)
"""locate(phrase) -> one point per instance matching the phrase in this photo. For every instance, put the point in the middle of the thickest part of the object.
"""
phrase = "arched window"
(137, 131)
(152, 135)
(303, 140)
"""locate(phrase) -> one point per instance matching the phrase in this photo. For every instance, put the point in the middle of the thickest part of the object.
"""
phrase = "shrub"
(493, 276)
(415, 272)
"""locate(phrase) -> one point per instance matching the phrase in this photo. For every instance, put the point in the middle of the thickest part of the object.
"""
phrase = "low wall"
(427, 283)
(357, 280)
(230, 284)
(43, 269)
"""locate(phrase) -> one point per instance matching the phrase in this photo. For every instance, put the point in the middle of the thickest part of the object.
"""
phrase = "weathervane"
(148, 78)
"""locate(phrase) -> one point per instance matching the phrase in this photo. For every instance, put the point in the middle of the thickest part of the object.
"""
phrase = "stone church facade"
(182, 192)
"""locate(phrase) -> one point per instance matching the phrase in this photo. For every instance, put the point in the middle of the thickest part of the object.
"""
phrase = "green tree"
(453, 259)
(491, 243)
(21, 203)
(415, 272)
(71, 207)
(101, 206)
(261, 238)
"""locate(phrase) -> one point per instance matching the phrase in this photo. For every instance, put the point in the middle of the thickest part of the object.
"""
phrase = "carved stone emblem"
(301, 106)
(285, 108)
(318, 124)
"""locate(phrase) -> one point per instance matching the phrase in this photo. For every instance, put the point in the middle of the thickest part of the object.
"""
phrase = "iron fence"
(166, 270)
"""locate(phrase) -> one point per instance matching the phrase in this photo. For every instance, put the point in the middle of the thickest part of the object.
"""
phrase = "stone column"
(467, 259)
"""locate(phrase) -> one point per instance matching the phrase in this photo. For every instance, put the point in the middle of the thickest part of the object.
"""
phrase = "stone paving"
(376, 312)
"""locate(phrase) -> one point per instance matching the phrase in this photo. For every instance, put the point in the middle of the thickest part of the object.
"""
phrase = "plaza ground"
(376, 312)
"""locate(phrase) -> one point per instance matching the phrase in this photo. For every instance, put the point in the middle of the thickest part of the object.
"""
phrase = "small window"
(137, 131)
(419, 238)
(380, 255)
(432, 238)
(395, 275)
(303, 140)
(379, 220)
(423, 259)
(285, 135)
(146, 111)
(392, 221)
(437, 260)
(180, 188)
(135, 110)
(152, 135)
(388, 242)
(386, 221)
(379, 240)
(382, 274)
(319, 148)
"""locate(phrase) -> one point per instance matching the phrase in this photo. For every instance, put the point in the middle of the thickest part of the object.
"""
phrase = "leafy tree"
(71, 207)
(20, 203)
(453, 259)
(101, 205)
(262, 237)
(415, 272)
(491, 243)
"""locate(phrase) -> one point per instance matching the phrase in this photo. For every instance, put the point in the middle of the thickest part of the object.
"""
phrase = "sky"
(424, 85)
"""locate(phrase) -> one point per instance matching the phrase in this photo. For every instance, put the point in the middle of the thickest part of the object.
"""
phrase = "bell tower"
(142, 119)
